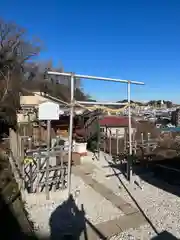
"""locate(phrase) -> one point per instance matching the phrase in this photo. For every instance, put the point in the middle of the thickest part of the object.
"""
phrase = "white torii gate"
(73, 102)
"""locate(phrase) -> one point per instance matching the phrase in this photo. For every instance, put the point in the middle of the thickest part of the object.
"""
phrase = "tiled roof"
(114, 121)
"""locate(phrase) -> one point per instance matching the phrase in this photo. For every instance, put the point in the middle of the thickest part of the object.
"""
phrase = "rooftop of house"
(116, 121)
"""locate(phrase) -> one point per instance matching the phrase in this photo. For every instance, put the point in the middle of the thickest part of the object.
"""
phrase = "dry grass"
(168, 143)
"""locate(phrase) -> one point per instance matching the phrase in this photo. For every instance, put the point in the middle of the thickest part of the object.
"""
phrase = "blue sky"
(128, 39)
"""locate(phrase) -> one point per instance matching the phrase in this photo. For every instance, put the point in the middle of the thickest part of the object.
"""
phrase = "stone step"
(107, 193)
(108, 229)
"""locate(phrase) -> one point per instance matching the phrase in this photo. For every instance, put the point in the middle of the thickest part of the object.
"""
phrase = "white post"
(100, 103)
(129, 160)
(110, 146)
(117, 142)
(105, 138)
(148, 141)
(142, 139)
(96, 78)
(48, 156)
(70, 135)
(129, 118)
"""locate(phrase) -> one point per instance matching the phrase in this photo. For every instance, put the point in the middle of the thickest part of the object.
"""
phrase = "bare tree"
(57, 86)
(15, 50)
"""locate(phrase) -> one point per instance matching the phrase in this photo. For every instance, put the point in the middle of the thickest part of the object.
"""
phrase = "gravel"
(160, 207)
(97, 209)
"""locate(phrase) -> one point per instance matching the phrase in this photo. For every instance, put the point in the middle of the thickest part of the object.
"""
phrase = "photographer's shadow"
(69, 222)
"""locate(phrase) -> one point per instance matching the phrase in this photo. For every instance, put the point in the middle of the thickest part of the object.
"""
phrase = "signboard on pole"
(49, 111)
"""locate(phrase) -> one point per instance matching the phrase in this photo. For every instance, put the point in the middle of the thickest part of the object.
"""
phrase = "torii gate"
(73, 103)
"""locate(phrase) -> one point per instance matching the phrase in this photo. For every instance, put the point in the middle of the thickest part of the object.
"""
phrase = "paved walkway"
(132, 217)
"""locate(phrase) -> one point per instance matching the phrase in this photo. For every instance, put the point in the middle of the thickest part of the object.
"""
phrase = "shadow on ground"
(69, 222)
(66, 222)
(143, 173)
(164, 236)
(162, 178)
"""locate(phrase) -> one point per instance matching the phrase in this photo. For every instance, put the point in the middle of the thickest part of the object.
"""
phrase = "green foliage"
(92, 143)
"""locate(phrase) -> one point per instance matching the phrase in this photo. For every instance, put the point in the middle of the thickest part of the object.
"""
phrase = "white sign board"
(49, 111)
